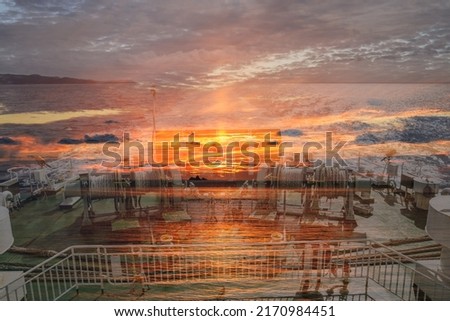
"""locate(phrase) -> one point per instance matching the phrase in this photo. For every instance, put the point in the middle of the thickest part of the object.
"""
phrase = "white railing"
(351, 262)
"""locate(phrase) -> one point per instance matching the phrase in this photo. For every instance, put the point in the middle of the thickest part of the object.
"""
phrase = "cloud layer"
(215, 43)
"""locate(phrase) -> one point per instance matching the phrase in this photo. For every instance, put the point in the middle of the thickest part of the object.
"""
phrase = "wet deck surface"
(42, 224)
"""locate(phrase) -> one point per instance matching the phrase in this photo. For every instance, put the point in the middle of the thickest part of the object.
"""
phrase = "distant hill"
(10, 79)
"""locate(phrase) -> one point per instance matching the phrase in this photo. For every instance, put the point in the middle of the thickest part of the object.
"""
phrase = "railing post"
(100, 269)
(7, 293)
(75, 272)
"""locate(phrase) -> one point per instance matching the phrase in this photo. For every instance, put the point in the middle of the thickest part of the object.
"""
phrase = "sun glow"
(45, 117)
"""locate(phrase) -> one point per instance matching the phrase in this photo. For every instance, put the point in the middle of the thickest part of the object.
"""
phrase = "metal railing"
(347, 262)
(333, 297)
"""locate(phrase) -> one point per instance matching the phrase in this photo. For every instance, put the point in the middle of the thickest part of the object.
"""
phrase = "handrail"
(43, 263)
(410, 259)
(86, 264)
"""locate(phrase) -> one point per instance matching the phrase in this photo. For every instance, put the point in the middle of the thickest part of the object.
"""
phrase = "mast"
(153, 92)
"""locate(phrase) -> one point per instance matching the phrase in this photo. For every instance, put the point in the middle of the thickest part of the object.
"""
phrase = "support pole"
(284, 216)
(86, 221)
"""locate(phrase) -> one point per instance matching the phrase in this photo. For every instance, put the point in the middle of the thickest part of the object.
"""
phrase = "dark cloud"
(184, 41)
(70, 141)
(94, 139)
(291, 132)
(100, 138)
(419, 129)
(8, 141)
(425, 129)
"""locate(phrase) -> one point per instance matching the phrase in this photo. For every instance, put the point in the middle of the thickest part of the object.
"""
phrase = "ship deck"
(40, 223)
(44, 228)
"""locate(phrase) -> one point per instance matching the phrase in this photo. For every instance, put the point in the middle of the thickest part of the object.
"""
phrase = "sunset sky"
(211, 43)
(226, 64)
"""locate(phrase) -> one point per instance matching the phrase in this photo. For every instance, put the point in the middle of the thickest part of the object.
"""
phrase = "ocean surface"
(52, 121)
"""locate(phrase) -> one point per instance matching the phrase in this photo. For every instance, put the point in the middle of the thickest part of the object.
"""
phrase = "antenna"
(153, 92)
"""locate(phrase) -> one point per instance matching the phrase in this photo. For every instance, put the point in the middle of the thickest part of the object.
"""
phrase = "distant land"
(11, 79)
